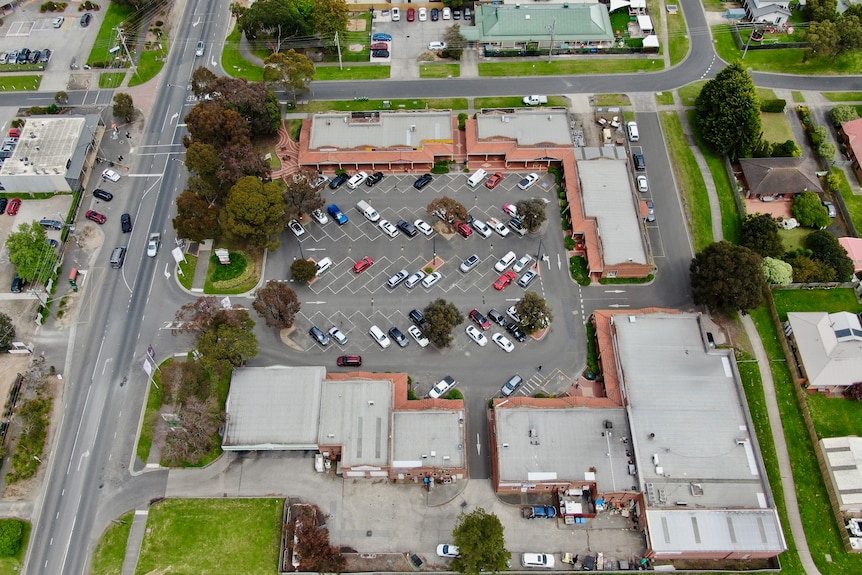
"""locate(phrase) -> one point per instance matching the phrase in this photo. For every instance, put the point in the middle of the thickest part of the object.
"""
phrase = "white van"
(357, 180)
(323, 265)
(632, 129)
(366, 210)
(477, 178)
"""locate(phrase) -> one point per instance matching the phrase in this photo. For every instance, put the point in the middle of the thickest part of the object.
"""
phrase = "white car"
(414, 279)
(499, 227)
(502, 341)
(356, 180)
(423, 227)
(477, 335)
(442, 387)
(505, 262)
(396, 15)
(434, 46)
(444, 550)
(511, 210)
(528, 181)
(482, 228)
(522, 263)
(545, 560)
(337, 335)
(513, 313)
(423, 14)
(296, 228)
(381, 338)
(418, 336)
(447, 13)
(388, 228)
(431, 279)
(320, 217)
(643, 186)
(111, 175)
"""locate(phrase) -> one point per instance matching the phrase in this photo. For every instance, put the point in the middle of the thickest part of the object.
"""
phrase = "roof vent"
(526, 16)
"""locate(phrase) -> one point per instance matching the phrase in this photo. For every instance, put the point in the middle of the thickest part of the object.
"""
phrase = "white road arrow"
(559, 263)
(316, 302)
(615, 291)
(198, 21)
(81, 459)
(619, 305)
(478, 445)
(167, 273)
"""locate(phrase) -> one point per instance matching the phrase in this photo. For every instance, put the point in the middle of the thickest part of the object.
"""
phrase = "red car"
(380, 46)
(14, 206)
(504, 280)
(363, 264)
(480, 319)
(411, 15)
(464, 229)
(492, 182)
(95, 217)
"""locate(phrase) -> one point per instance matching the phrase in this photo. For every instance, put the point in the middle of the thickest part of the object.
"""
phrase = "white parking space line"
(18, 29)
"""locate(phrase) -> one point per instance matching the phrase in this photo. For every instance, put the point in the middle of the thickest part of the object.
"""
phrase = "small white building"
(830, 348)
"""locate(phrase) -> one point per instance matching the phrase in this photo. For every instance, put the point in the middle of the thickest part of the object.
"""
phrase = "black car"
(456, 14)
(17, 284)
(85, 19)
(435, 14)
(380, 53)
(373, 178)
(24, 56)
(338, 181)
(399, 337)
(35, 56)
(46, 56)
(51, 224)
(3, 203)
(318, 335)
(422, 181)
(103, 195)
(126, 223)
(640, 162)
(407, 228)
(417, 317)
(516, 332)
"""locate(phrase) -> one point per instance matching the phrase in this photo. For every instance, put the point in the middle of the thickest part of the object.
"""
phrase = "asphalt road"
(88, 482)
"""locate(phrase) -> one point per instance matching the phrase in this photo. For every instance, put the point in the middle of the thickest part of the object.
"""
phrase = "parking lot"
(410, 39)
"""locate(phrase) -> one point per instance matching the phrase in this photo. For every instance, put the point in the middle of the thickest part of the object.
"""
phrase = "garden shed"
(735, 13)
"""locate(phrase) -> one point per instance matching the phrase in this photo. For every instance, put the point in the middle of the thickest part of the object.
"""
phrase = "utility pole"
(338, 46)
(121, 38)
(552, 28)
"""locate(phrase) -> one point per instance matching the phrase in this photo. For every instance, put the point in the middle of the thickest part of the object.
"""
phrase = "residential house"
(851, 137)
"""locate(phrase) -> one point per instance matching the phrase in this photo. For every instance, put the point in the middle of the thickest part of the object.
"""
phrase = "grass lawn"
(152, 62)
(798, 97)
(828, 300)
(843, 96)
(439, 70)
(677, 33)
(316, 106)
(151, 415)
(233, 62)
(106, 39)
(28, 83)
(111, 551)
(835, 416)
(776, 127)
(111, 79)
(15, 563)
(792, 239)
(218, 272)
(610, 100)
(765, 93)
(820, 527)
(853, 202)
(688, 94)
(664, 98)
(188, 271)
(294, 127)
(375, 72)
(789, 61)
(690, 180)
(212, 536)
(725, 187)
(514, 102)
(568, 67)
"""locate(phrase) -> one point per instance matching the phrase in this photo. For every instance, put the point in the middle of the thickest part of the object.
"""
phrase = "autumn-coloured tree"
(447, 209)
(196, 218)
(312, 541)
(182, 380)
(211, 123)
(277, 304)
(196, 434)
(300, 197)
(251, 100)
(201, 79)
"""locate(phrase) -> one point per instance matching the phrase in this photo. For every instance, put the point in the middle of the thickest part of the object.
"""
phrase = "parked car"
(3, 203)
(469, 263)
(349, 360)
(435, 14)
(17, 284)
(51, 224)
(494, 180)
(396, 14)
(456, 14)
(397, 278)
(379, 337)
(126, 223)
(111, 175)
(477, 335)
(537, 560)
(503, 341)
(337, 214)
(512, 385)
(528, 277)
(399, 337)
(337, 335)
(423, 227)
(414, 279)
(468, 15)
(516, 332)
(57, 22)
(447, 13)
(357, 180)
(479, 319)
(522, 263)
(363, 264)
(504, 280)
(411, 15)
(830, 209)
(505, 262)
(463, 229)
(388, 228)
(14, 206)
(643, 185)
(319, 216)
(498, 227)
(431, 279)
(482, 228)
(380, 54)
(95, 216)
(423, 14)
(528, 180)
(375, 177)
(442, 387)
(417, 335)
(85, 19)
(639, 161)
(417, 317)
(381, 37)
(103, 195)
(511, 209)
(296, 228)
(517, 226)
(379, 46)
(497, 317)
(435, 46)
(444, 550)
(650, 217)
(423, 181)
(338, 181)
(408, 228)
(512, 312)
(318, 335)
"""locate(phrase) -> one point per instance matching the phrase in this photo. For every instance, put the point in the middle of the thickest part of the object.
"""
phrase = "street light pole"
(434, 247)
(299, 243)
(539, 252)
(552, 28)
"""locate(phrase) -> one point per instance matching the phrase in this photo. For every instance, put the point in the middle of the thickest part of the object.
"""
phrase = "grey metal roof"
(274, 407)
(428, 438)
(355, 414)
(607, 194)
(710, 530)
(528, 127)
(830, 346)
(570, 23)
(563, 444)
(844, 462)
(381, 130)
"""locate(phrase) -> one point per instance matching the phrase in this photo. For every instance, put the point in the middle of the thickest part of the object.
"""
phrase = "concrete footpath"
(791, 503)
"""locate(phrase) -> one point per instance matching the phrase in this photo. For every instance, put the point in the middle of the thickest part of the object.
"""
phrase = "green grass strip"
(233, 61)
(152, 62)
(427, 70)
(316, 106)
(111, 551)
(352, 72)
(677, 36)
(852, 201)
(106, 39)
(27, 83)
(110, 80)
(151, 415)
(570, 67)
(843, 96)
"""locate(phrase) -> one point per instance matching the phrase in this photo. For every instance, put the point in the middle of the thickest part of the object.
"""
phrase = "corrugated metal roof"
(714, 530)
(428, 438)
(527, 127)
(355, 415)
(574, 23)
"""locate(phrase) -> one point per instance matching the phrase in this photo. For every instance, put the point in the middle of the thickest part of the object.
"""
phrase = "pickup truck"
(153, 244)
(539, 512)
(535, 100)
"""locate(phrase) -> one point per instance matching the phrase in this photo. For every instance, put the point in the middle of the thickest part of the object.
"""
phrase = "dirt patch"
(355, 48)
(356, 25)
(285, 334)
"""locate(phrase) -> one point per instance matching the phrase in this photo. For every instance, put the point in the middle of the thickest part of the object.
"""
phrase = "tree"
(61, 97)
(827, 151)
(447, 209)
(7, 332)
(728, 112)
(277, 304)
(532, 213)
(30, 252)
(807, 270)
(787, 149)
(726, 277)
(211, 123)
(760, 234)
(201, 80)
(123, 106)
(850, 31)
(254, 212)
(11, 535)
(291, 69)
(197, 433)
(273, 19)
(251, 100)
(809, 211)
(823, 38)
(854, 391)
(311, 541)
(822, 10)
(227, 343)
(303, 270)
(196, 219)
(182, 380)
(441, 317)
(300, 197)
(205, 312)
(239, 159)
(455, 41)
(329, 17)
(534, 312)
(826, 248)
(843, 113)
(479, 538)
(777, 271)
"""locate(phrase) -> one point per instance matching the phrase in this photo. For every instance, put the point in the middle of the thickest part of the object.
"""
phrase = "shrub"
(788, 149)
(570, 243)
(776, 105)
(237, 266)
(462, 121)
(455, 394)
(818, 134)
(804, 115)
(440, 168)
(579, 271)
(428, 270)
(11, 534)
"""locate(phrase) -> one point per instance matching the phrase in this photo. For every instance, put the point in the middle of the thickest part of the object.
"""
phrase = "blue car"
(337, 214)
(381, 37)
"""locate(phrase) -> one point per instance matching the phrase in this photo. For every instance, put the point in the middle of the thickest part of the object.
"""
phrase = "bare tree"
(277, 304)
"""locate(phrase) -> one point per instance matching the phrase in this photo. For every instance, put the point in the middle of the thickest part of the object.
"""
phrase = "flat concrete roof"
(528, 127)
(275, 407)
(607, 195)
(428, 438)
(355, 415)
(563, 444)
(380, 130)
(844, 463)
(710, 531)
(46, 145)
